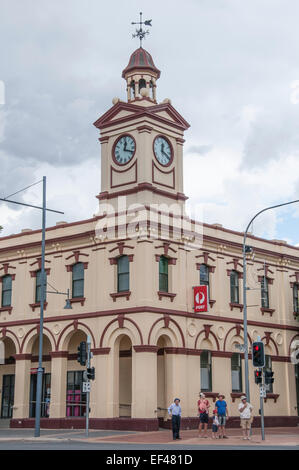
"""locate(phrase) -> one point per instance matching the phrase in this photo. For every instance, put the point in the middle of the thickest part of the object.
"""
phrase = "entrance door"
(8, 390)
(46, 392)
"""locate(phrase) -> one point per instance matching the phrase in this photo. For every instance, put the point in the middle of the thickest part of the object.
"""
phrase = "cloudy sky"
(230, 67)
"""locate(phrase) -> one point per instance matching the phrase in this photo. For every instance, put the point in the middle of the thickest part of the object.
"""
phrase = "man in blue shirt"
(222, 414)
(175, 412)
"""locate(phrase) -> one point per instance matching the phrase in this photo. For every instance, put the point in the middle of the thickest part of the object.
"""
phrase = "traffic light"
(91, 373)
(258, 376)
(82, 353)
(269, 377)
(258, 354)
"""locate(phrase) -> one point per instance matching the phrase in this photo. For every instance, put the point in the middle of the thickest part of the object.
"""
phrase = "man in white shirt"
(175, 412)
(246, 416)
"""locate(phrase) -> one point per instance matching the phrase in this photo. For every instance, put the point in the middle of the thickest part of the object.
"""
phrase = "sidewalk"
(273, 437)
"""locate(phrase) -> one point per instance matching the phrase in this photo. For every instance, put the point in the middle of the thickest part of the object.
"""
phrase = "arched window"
(38, 286)
(132, 85)
(123, 274)
(234, 287)
(296, 298)
(236, 371)
(205, 371)
(78, 280)
(6, 290)
(265, 292)
(142, 84)
(204, 275)
(163, 274)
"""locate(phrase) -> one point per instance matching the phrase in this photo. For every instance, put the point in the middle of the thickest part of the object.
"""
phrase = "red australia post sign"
(200, 298)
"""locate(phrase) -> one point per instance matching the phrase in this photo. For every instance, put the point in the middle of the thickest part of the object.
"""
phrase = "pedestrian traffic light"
(269, 377)
(82, 353)
(91, 373)
(258, 376)
(258, 354)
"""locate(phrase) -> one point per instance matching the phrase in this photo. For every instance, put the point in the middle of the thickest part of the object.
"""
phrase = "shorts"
(245, 423)
(204, 418)
(214, 428)
(222, 420)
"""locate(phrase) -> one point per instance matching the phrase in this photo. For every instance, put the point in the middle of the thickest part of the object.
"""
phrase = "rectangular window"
(123, 274)
(46, 393)
(234, 287)
(8, 387)
(236, 372)
(38, 286)
(265, 292)
(6, 291)
(163, 274)
(75, 399)
(78, 280)
(205, 371)
(295, 298)
(204, 275)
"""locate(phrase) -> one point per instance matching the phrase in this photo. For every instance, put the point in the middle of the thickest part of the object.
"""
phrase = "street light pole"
(41, 320)
(245, 288)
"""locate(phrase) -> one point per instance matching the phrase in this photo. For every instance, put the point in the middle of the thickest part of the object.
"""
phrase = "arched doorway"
(7, 379)
(125, 377)
(163, 378)
(46, 383)
(75, 398)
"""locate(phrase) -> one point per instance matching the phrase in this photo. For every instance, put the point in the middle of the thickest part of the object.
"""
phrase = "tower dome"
(141, 73)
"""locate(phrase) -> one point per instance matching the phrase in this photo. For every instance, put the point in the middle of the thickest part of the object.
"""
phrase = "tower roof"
(141, 59)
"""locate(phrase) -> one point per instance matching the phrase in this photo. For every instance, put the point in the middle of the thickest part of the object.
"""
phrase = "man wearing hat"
(175, 412)
(246, 416)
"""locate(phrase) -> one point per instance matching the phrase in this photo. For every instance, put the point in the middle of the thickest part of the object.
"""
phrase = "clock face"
(162, 150)
(124, 149)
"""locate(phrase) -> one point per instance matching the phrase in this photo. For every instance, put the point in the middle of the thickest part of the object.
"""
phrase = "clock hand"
(125, 146)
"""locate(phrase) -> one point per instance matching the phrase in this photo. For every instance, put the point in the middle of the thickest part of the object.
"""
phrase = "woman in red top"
(203, 410)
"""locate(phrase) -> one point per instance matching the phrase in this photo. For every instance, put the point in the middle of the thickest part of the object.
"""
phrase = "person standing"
(215, 425)
(203, 410)
(246, 416)
(222, 414)
(175, 412)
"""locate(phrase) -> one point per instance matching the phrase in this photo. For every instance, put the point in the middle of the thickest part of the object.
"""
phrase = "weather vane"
(140, 33)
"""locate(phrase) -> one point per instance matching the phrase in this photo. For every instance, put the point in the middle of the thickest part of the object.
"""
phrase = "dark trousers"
(176, 422)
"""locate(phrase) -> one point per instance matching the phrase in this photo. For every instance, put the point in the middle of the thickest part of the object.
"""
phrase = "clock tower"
(142, 141)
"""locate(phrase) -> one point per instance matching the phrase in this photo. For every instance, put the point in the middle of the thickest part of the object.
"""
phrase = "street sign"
(85, 387)
(263, 391)
(200, 299)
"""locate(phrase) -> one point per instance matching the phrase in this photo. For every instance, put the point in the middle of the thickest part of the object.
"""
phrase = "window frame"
(204, 275)
(268, 367)
(5, 290)
(123, 274)
(238, 368)
(208, 363)
(296, 298)
(78, 280)
(234, 287)
(38, 286)
(265, 293)
(163, 276)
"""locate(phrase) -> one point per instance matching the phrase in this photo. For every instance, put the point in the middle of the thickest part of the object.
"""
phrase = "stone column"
(144, 382)
(22, 386)
(58, 384)
(99, 387)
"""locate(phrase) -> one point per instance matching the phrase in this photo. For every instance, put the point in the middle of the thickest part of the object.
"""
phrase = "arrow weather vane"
(140, 33)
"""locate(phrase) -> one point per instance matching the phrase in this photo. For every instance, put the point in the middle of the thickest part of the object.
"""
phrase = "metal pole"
(88, 381)
(247, 389)
(262, 408)
(41, 323)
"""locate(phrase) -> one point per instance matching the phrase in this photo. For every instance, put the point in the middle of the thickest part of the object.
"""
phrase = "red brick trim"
(142, 187)
(212, 395)
(77, 300)
(271, 396)
(161, 294)
(235, 305)
(37, 305)
(33, 273)
(116, 295)
(58, 354)
(22, 357)
(146, 348)
(100, 351)
(235, 395)
(7, 309)
(267, 310)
